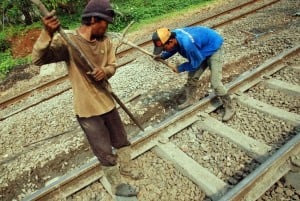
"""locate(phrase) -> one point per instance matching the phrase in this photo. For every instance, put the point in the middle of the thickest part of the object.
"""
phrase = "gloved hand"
(51, 23)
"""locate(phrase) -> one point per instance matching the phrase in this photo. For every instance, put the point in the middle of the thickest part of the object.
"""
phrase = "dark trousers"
(104, 132)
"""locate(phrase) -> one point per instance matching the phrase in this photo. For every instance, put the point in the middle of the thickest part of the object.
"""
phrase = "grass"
(146, 11)
(7, 62)
(143, 12)
(125, 16)
(173, 15)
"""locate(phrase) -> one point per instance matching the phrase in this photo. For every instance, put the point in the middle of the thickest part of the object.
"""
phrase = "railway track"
(17, 103)
(94, 178)
(270, 162)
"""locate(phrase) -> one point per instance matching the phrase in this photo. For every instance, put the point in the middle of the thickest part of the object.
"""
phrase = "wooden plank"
(270, 110)
(268, 173)
(283, 86)
(209, 183)
(254, 148)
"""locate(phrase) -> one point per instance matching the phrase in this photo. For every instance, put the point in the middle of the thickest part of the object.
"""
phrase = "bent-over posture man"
(94, 107)
(202, 47)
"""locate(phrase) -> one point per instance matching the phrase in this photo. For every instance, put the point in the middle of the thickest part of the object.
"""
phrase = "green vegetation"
(69, 13)
(7, 62)
(150, 10)
(4, 43)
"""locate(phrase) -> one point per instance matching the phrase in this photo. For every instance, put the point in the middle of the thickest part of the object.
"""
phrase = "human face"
(168, 46)
(99, 28)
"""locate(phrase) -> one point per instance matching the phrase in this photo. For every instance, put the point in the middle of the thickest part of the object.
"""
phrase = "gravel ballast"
(29, 168)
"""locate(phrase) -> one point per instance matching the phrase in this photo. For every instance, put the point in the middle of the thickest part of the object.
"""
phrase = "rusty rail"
(149, 139)
(268, 173)
(10, 100)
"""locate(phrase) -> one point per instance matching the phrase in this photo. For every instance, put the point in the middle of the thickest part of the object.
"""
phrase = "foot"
(126, 190)
(228, 107)
(228, 114)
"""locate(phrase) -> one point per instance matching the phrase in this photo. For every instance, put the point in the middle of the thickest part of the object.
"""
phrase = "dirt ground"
(21, 45)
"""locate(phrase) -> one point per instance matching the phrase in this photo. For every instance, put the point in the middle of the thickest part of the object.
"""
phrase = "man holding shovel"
(202, 47)
(94, 107)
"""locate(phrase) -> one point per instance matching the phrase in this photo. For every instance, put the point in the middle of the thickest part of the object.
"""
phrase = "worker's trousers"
(104, 132)
(215, 63)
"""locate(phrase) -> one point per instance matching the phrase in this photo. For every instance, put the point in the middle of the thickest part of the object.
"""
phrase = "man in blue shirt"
(202, 47)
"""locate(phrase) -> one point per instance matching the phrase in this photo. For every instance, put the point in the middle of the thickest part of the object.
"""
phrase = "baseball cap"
(159, 38)
(99, 8)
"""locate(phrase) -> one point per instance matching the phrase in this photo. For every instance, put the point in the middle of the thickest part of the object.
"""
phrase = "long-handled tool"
(83, 58)
(131, 44)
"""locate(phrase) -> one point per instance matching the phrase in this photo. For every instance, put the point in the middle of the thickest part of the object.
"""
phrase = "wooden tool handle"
(41, 7)
(173, 67)
(45, 12)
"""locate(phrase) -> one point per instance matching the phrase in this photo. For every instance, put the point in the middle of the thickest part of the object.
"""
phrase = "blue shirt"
(196, 44)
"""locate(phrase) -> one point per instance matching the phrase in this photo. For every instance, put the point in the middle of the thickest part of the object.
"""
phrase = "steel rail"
(145, 42)
(242, 83)
(278, 164)
(33, 145)
(244, 14)
(34, 104)
(28, 93)
(10, 100)
(65, 185)
(149, 139)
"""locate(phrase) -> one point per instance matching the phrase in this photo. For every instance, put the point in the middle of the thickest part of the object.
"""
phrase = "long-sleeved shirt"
(196, 44)
(88, 100)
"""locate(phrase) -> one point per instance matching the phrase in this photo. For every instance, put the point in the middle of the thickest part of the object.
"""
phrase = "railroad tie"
(269, 110)
(258, 150)
(285, 87)
(208, 182)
